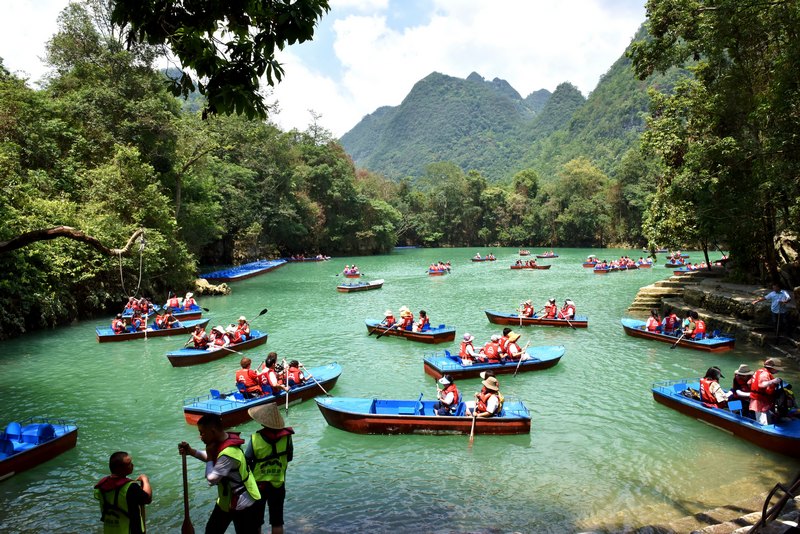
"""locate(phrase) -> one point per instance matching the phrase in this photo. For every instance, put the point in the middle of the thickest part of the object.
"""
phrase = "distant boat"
(438, 273)
(484, 259)
(360, 286)
(542, 267)
(232, 407)
(439, 334)
(34, 441)
(580, 321)
(783, 437)
(190, 356)
(547, 255)
(243, 272)
(590, 264)
(105, 335)
(543, 357)
(388, 416)
(194, 312)
(718, 343)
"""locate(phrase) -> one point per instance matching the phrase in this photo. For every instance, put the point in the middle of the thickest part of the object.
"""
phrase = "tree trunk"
(46, 234)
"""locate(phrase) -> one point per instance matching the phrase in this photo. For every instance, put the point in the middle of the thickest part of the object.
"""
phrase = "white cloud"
(360, 5)
(28, 25)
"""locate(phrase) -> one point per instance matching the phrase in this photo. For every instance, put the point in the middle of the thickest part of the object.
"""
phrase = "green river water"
(602, 454)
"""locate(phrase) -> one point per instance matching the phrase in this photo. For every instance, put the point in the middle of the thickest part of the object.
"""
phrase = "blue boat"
(190, 356)
(386, 416)
(783, 437)
(438, 364)
(181, 314)
(33, 441)
(105, 335)
(436, 334)
(232, 406)
(243, 272)
(715, 342)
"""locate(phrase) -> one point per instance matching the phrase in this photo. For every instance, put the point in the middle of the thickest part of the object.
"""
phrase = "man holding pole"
(778, 299)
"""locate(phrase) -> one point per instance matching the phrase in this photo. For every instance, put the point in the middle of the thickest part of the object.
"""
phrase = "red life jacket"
(705, 392)
(118, 326)
(652, 323)
(138, 324)
(237, 336)
(200, 341)
(527, 310)
(503, 345)
(174, 303)
(266, 381)
(161, 321)
(389, 321)
(408, 322)
(567, 312)
(762, 394)
(233, 440)
(483, 400)
(492, 352)
(221, 340)
(699, 329)
(456, 397)
(423, 323)
(513, 348)
(463, 351)
(248, 377)
(295, 375)
(550, 311)
(671, 322)
(188, 303)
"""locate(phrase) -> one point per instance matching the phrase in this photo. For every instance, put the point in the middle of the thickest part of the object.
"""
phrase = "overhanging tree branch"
(46, 234)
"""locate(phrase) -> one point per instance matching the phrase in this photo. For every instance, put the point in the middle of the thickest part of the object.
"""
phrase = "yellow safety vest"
(224, 487)
(270, 459)
(114, 510)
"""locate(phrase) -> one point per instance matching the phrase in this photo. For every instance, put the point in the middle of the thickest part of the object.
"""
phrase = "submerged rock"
(202, 287)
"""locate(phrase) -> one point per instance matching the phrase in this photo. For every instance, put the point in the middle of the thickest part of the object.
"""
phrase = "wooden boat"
(232, 407)
(589, 264)
(352, 275)
(719, 343)
(105, 335)
(603, 270)
(674, 264)
(438, 364)
(644, 265)
(484, 259)
(513, 319)
(438, 273)
(245, 271)
(386, 416)
(659, 251)
(185, 357)
(783, 437)
(195, 312)
(439, 334)
(547, 255)
(524, 252)
(542, 267)
(360, 286)
(34, 441)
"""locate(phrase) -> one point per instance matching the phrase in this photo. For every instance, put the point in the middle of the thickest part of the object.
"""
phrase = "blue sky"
(369, 53)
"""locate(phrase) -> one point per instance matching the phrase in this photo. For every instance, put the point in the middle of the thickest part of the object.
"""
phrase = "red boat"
(531, 266)
(513, 319)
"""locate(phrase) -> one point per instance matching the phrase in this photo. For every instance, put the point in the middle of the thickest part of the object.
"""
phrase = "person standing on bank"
(268, 454)
(227, 469)
(778, 299)
(122, 500)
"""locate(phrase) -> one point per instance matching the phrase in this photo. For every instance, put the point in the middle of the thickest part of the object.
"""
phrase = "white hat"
(495, 337)
(243, 318)
(444, 381)
(219, 329)
(468, 337)
(388, 313)
(189, 295)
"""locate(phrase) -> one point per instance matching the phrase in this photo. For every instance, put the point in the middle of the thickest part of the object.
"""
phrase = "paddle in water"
(311, 377)
(186, 527)
(387, 329)
(679, 340)
(472, 429)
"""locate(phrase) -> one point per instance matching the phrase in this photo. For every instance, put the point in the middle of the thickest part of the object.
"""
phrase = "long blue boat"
(436, 334)
(26, 444)
(782, 437)
(181, 314)
(190, 356)
(438, 364)
(387, 416)
(232, 406)
(243, 272)
(713, 343)
(105, 335)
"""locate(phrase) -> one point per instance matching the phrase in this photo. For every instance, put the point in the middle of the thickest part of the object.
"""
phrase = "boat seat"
(215, 394)
(406, 410)
(679, 387)
(38, 433)
(461, 409)
(441, 327)
(238, 396)
(14, 431)
(6, 448)
(735, 407)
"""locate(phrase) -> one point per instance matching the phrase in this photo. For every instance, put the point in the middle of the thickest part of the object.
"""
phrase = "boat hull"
(483, 259)
(186, 357)
(635, 328)
(106, 335)
(234, 412)
(432, 336)
(512, 319)
(366, 286)
(547, 256)
(65, 439)
(589, 264)
(783, 438)
(541, 267)
(438, 365)
(243, 272)
(437, 273)
(338, 415)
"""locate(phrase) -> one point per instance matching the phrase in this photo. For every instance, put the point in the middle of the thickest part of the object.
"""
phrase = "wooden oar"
(310, 376)
(186, 527)
(520, 357)
(679, 340)
(287, 385)
(472, 430)
(387, 329)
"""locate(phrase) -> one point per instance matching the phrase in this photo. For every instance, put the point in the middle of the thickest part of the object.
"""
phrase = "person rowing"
(388, 319)
(247, 380)
(568, 310)
(188, 301)
(550, 309)
(513, 350)
(488, 402)
(117, 324)
(527, 309)
(448, 397)
(406, 319)
(199, 337)
(423, 324)
(270, 379)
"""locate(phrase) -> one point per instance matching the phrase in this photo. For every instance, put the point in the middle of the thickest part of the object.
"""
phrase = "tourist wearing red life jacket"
(467, 350)
(406, 319)
(567, 311)
(243, 328)
(271, 381)
(699, 327)
(226, 468)
(488, 401)
(220, 338)
(199, 338)
(247, 380)
(527, 309)
(388, 319)
(132, 304)
(174, 302)
(296, 376)
(741, 388)
(122, 500)
(188, 301)
(762, 390)
(491, 351)
(670, 323)
(117, 324)
(513, 351)
(550, 309)
(653, 322)
(448, 397)
(138, 323)
(503, 341)
(171, 321)
(160, 321)
(711, 392)
(423, 324)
